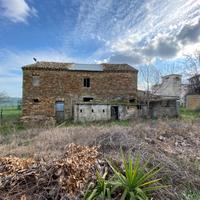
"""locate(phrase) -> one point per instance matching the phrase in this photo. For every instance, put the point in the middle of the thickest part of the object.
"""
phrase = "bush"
(132, 181)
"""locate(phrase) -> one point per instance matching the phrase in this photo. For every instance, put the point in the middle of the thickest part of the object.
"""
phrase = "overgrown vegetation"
(191, 195)
(190, 114)
(131, 181)
(173, 143)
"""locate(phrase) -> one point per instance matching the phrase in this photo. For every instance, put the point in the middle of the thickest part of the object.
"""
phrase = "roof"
(195, 76)
(80, 67)
(171, 75)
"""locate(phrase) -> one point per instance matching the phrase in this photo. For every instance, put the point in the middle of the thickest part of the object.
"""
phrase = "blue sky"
(94, 31)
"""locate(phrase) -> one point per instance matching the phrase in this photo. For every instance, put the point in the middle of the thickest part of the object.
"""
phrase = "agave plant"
(102, 190)
(131, 182)
(134, 181)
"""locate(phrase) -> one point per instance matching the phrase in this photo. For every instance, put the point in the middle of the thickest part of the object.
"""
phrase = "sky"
(94, 31)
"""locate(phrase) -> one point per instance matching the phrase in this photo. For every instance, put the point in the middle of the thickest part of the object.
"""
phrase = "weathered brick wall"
(67, 86)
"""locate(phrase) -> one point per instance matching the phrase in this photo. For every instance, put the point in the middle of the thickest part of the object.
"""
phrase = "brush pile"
(63, 178)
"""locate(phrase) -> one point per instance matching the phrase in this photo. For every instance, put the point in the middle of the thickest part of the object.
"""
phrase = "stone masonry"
(65, 82)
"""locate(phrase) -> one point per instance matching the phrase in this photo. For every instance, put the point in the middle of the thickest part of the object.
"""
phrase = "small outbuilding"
(161, 107)
(85, 112)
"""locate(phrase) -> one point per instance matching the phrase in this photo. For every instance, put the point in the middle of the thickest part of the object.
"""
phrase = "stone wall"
(193, 102)
(67, 86)
(170, 86)
(100, 112)
(161, 108)
(85, 113)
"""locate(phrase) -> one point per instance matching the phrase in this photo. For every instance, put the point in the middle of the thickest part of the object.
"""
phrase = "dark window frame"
(88, 99)
(86, 82)
(36, 100)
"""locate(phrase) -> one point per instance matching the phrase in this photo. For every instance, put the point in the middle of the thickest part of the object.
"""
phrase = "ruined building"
(193, 94)
(170, 86)
(67, 90)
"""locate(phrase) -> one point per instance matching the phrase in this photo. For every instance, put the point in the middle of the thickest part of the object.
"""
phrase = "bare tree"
(192, 64)
(150, 76)
(192, 71)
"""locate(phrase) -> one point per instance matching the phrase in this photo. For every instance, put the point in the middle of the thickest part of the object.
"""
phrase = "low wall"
(92, 112)
(101, 112)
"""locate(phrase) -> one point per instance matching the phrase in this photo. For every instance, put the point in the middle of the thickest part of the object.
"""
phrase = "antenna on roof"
(35, 59)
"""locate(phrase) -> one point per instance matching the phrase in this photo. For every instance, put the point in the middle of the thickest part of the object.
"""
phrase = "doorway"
(60, 111)
(114, 112)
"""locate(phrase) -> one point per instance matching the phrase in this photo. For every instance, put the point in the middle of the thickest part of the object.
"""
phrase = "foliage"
(190, 195)
(101, 190)
(133, 181)
(190, 114)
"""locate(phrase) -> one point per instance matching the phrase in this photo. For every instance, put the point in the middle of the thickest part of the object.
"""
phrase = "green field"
(11, 113)
(10, 120)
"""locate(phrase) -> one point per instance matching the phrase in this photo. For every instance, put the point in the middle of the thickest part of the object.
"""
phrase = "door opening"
(114, 112)
(59, 111)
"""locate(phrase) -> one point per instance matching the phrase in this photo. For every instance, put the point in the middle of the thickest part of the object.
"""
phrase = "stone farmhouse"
(63, 91)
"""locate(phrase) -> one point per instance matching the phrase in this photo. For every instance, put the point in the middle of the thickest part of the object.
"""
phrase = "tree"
(150, 76)
(192, 72)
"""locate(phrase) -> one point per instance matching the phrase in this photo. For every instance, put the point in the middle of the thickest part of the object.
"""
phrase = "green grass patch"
(10, 120)
(189, 114)
(191, 195)
(10, 113)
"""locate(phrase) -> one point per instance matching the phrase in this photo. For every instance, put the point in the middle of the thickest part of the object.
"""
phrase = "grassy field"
(9, 121)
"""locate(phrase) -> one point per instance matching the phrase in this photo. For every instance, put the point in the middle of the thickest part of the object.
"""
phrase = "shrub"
(132, 181)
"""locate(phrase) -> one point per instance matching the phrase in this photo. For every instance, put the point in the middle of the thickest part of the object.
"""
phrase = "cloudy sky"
(88, 31)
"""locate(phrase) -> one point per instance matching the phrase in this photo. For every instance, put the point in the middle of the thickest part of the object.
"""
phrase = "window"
(139, 106)
(87, 99)
(86, 82)
(36, 100)
(165, 103)
(35, 80)
(81, 110)
(131, 100)
(92, 110)
(103, 111)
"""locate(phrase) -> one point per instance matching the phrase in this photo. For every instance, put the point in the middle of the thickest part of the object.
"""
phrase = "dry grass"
(173, 143)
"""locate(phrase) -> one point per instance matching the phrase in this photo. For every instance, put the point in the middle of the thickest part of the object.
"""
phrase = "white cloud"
(16, 10)
(151, 30)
